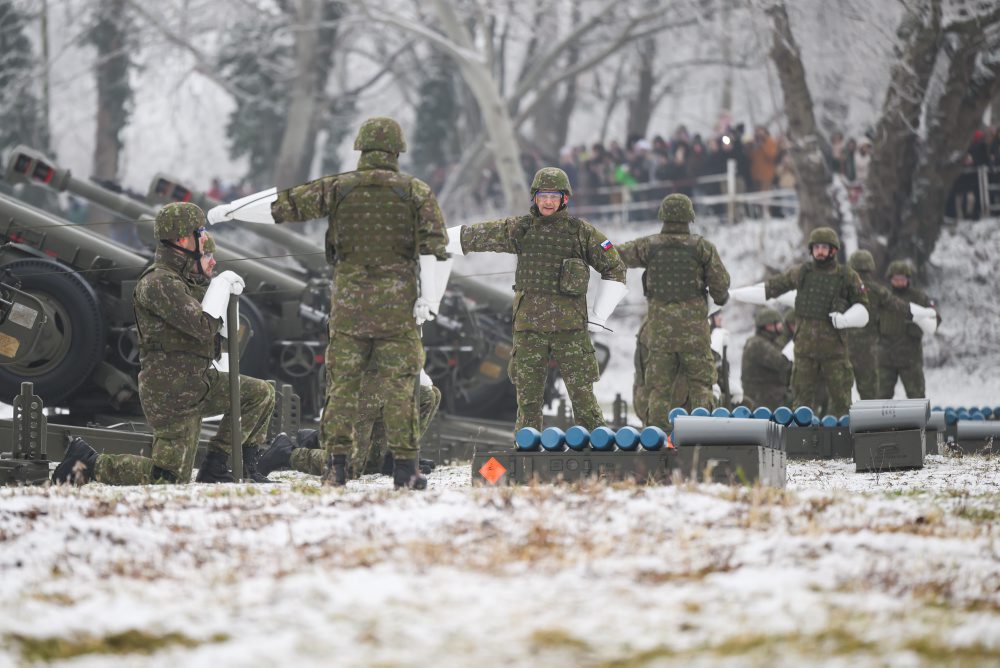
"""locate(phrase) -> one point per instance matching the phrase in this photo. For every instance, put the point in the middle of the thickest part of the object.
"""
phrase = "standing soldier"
(681, 269)
(900, 345)
(830, 297)
(766, 369)
(179, 321)
(386, 235)
(554, 254)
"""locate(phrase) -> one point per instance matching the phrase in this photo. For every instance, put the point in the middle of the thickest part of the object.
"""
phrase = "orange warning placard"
(492, 470)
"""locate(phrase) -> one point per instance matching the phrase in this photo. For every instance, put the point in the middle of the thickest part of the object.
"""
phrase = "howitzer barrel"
(692, 430)
(72, 245)
(29, 166)
(884, 415)
(973, 429)
(167, 189)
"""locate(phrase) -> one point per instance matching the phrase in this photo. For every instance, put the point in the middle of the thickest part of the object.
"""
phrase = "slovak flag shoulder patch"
(606, 244)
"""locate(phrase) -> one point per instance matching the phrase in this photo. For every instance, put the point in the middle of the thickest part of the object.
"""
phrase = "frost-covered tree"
(22, 120)
(112, 35)
(435, 138)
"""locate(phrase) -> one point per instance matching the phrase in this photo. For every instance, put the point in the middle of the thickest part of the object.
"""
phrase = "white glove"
(787, 298)
(716, 391)
(856, 316)
(236, 282)
(609, 293)
(751, 294)
(927, 324)
(789, 351)
(918, 311)
(425, 380)
(720, 339)
(424, 309)
(255, 208)
(455, 240)
(222, 364)
(735, 390)
(442, 272)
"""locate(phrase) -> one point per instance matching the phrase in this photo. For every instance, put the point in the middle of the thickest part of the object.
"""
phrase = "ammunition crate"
(733, 464)
(521, 468)
(889, 450)
(818, 442)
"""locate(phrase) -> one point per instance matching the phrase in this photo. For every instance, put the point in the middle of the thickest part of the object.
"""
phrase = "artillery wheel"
(64, 362)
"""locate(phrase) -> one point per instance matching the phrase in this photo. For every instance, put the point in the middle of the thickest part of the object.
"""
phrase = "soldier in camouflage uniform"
(863, 342)
(371, 453)
(179, 314)
(554, 254)
(766, 370)
(385, 237)
(682, 270)
(830, 298)
(900, 344)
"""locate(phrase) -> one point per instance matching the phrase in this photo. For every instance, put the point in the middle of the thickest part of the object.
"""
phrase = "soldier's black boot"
(405, 474)
(426, 465)
(336, 471)
(77, 467)
(215, 468)
(388, 464)
(307, 438)
(251, 465)
(277, 456)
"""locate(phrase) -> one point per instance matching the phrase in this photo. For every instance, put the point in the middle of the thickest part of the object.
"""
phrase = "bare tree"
(110, 35)
(806, 145)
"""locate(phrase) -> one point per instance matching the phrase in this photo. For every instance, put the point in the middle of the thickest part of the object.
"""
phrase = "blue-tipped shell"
(554, 439)
(742, 412)
(803, 416)
(577, 437)
(528, 438)
(782, 415)
(602, 438)
(829, 421)
(762, 413)
(627, 438)
(701, 411)
(721, 412)
(675, 412)
(652, 438)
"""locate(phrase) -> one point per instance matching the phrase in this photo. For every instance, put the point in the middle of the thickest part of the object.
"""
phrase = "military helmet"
(824, 235)
(676, 208)
(550, 178)
(178, 219)
(766, 316)
(901, 267)
(790, 317)
(862, 261)
(380, 133)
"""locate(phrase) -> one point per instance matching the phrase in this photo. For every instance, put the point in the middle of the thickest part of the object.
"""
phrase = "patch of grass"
(554, 639)
(644, 658)
(977, 514)
(835, 640)
(132, 641)
(950, 655)
(307, 488)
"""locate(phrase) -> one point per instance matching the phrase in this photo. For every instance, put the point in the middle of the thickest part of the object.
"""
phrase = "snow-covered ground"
(842, 568)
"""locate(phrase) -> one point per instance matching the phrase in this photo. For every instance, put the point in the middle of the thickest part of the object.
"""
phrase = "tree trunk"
(894, 150)
(297, 141)
(640, 107)
(971, 81)
(113, 90)
(496, 119)
(816, 204)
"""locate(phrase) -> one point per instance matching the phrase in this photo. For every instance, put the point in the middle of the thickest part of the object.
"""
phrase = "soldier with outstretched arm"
(555, 251)
(386, 239)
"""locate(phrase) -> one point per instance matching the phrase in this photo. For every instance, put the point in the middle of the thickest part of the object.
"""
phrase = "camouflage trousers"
(175, 441)
(396, 361)
(674, 379)
(640, 397)
(370, 441)
(912, 376)
(823, 384)
(529, 368)
(864, 360)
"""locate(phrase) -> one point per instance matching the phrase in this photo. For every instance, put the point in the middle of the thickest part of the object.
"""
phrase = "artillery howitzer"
(286, 313)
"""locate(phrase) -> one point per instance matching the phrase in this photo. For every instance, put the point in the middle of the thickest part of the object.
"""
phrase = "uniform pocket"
(574, 276)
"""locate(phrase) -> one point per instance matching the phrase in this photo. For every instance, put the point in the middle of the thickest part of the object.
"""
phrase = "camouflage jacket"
(765, 371)
(679, 326)
(882, 303)
(177, 340)
(900, 340)
(818, 338)
(371, 298)
(544, 311)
